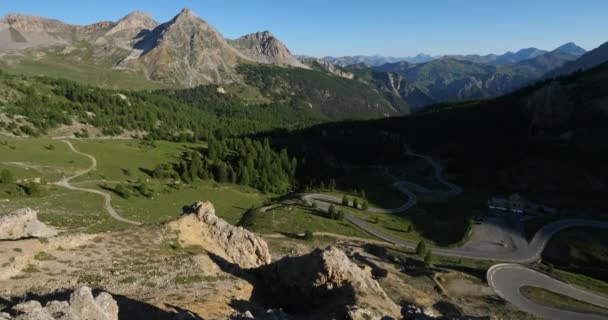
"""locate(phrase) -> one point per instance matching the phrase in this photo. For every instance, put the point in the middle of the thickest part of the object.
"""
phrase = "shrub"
(32, 189)
(308, 235)
(6, 177)
(249, 217)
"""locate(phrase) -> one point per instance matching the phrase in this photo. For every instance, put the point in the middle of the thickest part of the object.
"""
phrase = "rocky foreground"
(197, 266)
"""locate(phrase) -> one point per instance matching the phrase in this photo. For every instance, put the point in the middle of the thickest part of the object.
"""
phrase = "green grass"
(579, 280)
(230, 202)
(115, 157)
(80, 67)
(579, 251)
(442, 222)
(82, 211)
(31, 158)
(67, 210)
(296, 219)
(559, 301)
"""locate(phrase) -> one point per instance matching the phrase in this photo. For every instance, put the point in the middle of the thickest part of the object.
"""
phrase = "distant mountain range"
(495, 59)
(473, 77)
(137, 52)
(377, 60)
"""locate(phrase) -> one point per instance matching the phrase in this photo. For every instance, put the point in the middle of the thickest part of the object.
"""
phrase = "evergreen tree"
(364, 206)
(421, 248)
(345, 200)
(340, 215)
(428, 258)
(331, 212)
(355, 203)
(244, 176)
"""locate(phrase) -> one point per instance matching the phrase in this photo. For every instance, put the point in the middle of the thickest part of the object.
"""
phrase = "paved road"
(65, 183)
(505, 279)
(508, 279)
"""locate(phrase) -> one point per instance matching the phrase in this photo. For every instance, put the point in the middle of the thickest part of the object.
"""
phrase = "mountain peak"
(132, 24)
(137, 15)
(571, 48)
(187, 13)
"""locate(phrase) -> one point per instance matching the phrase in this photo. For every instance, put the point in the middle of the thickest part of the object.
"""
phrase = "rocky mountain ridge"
(186, 51)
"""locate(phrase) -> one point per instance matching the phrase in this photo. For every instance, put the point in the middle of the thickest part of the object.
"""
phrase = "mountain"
(322, 65)
(263, 47)
(572, 49)
(392, 84)
(18, 32)
(507, 58)
(323, 92)
(184, 52)
(373, 61)
(588, 60)
(547, 140)
(452, 78)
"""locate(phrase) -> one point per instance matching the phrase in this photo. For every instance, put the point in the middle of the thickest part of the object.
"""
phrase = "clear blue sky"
(348, 27)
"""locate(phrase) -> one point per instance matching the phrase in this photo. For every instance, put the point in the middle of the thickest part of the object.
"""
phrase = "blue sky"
(348, 27)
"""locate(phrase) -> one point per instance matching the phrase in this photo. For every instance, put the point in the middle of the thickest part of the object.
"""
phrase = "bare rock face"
(200, 226)
(263, 47)
(316, 63)
(22, 224)
(82, 305)
(328, 282)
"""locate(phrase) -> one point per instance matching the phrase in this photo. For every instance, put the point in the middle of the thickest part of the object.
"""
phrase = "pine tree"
(244, 176)
(364, 206)
(345, 200)
(331, 212)
(428, 258)
(421, 248)
(355, 203)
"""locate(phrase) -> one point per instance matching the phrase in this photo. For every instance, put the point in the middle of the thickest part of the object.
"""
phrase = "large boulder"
(23, 224)
(200, 226)
(82, 305)
(327, 282)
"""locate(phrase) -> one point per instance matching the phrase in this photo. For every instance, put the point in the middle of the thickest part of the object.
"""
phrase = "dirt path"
(65, 183)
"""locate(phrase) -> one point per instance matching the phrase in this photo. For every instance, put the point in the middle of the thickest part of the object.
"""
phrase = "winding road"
(505, 279)
(65, 183)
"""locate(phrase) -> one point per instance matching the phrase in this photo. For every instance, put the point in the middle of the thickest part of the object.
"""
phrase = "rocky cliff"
(200, 226)
(263, 47)
(325, 284)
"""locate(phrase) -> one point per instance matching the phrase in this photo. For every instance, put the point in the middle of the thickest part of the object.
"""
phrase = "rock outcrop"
(22, 224)
(200, 226)
(82, 305)
(319, 64)
(263, 47)
(327, 282)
